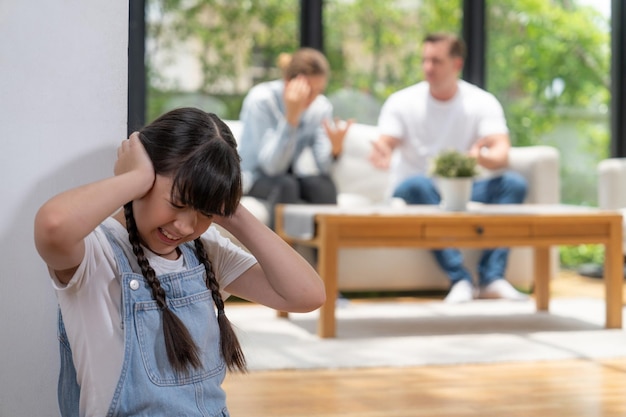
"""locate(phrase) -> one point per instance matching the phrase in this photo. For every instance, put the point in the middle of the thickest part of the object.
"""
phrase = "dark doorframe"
(474, 35)
(312, 24)
(618, 78)
(136, 65)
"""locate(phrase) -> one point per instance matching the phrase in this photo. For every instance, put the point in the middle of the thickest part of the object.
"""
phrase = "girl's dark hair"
(198, 151)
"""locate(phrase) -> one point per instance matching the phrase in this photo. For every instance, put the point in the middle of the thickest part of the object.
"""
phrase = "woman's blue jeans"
(509, 188)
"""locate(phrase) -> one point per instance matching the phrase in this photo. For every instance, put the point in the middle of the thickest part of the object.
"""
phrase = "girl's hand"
(64, 221)
(132, 157)
(336, 132)
(228, 222)
(282, 279)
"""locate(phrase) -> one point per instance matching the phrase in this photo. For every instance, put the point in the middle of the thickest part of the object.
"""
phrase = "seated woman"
(283, 118)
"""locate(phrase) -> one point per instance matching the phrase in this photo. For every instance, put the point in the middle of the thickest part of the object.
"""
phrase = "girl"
(141, 290)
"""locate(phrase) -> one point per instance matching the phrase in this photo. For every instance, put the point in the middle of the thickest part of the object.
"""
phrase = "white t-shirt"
(91, 306)
(426, 126)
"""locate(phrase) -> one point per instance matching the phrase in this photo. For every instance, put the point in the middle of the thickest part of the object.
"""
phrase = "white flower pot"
(455, 192)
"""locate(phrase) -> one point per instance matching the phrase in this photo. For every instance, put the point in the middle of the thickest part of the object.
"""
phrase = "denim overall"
(148, 386)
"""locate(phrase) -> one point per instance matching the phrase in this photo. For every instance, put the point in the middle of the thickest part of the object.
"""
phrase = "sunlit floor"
(572, 388)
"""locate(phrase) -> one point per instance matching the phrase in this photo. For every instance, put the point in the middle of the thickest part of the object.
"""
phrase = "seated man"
(440, 113)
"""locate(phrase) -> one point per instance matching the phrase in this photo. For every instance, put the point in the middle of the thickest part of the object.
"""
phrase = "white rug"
(395, 334)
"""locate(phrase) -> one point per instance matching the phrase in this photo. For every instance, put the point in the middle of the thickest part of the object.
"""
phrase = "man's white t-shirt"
(426, 126)
(91, 306)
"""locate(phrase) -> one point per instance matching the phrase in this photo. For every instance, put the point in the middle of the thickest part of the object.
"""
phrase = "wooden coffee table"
(329, 228)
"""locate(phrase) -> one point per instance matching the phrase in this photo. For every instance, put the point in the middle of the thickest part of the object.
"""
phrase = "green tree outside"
(547, 61)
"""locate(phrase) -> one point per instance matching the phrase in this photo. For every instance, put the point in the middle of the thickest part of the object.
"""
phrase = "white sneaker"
(501, 288)
(461, 292)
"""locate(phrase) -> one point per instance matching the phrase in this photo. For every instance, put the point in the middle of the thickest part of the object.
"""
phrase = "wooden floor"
(564, 388)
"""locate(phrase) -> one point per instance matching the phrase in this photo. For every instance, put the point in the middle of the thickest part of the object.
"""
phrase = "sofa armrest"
(540, 166)
(611, 180)
(353, 172)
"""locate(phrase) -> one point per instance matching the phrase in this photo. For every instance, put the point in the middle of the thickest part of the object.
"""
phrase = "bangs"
(209, 181)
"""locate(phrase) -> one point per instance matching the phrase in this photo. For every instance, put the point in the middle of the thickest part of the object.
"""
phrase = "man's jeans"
(509, 188)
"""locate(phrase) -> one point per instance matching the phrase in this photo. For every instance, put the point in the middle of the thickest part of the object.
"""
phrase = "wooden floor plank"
(571, 388)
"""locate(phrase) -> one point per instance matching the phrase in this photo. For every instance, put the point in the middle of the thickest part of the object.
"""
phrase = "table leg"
(327, 268)
(614, 277)
(542, 277)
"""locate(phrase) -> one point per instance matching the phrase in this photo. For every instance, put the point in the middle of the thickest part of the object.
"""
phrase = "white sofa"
(612, 187)
(393, 269)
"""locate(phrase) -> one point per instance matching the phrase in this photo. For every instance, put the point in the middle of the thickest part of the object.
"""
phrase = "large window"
(208, 53)
(374, 49)
(547, 62)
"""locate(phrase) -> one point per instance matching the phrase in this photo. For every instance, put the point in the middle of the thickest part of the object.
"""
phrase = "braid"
(231, 349)
(181, 349)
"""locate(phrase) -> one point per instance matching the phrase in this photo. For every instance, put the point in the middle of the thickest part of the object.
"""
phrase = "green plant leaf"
(454, 164)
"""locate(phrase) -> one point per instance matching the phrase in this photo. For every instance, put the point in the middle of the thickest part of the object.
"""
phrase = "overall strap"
(120, 256)
(188, 250)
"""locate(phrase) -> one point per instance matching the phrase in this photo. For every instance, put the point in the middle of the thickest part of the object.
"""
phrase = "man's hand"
(382, 149)
(492, 152)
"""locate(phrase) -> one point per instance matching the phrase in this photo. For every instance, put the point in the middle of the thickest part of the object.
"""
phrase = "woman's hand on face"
(296, 97)
(336, 132)
(132, 157)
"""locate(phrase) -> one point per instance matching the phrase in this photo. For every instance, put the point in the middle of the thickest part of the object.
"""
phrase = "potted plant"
(454, 172)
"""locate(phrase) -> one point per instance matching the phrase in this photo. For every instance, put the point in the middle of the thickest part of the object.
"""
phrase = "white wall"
(63, 82)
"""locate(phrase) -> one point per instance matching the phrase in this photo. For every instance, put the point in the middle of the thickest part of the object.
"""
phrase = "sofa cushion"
(353, 173)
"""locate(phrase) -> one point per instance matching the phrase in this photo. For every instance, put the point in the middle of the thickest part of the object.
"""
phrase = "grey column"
(136, 65)
(618, 78)
(312, 24)
(474, 35)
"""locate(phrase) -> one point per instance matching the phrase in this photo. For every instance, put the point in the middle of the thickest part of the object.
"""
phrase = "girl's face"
(164, 224)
